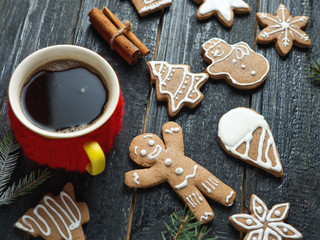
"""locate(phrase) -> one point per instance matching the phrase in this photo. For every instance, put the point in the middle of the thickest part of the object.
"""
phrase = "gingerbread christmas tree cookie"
(176, 84)
(56, 217)
(238, 63)
(145, 7)
(223, 9)
(283, 29)
(245, 134)
(166, 162)
(265, 224)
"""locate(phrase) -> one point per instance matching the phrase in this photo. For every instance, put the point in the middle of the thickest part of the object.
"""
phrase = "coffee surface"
(64, 100)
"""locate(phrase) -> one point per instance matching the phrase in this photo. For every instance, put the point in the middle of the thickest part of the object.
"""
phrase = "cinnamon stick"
(143, 49)
(107, 30)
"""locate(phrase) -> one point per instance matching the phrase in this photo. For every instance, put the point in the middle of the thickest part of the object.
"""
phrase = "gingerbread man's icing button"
(168, 162)
(178, 171)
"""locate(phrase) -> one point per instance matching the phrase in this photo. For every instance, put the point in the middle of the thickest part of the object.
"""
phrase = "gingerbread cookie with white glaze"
(238, 63)
(56, 217)
(176, 85)
(283, 29)
(223, 9)
(263, 223)
(145, 7)
(245, 134)
(165, 162)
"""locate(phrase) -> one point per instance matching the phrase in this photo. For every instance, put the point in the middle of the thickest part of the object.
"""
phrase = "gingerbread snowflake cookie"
(265, 224)
(176, 84)
(245, 134)
(238, 63)
(223, 9)
(166, 162)
(145, 7)
(283, 29)
(56, 218)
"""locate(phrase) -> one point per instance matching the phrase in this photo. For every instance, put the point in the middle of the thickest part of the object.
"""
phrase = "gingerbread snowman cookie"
(238, 63)
(145, 7)
(166, 162)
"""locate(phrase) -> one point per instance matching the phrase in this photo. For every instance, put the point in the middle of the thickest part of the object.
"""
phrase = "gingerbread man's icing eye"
(151, 143)
(143, 152)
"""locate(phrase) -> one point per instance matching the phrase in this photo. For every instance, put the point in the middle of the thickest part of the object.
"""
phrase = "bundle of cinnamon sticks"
(118, 35)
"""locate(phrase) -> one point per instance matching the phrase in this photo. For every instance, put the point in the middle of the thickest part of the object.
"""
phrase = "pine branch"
(9, 154)
(24, 186)
(315, 71)
(183, 227)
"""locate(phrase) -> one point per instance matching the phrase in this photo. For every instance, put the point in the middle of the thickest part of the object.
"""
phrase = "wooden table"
(288, 100)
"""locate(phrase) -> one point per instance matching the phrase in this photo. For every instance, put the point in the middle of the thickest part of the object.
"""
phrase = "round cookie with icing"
(166, 162)
(245, 134)
(56, 217)
(145, 7)
(264, 223)
(223, 9)
(238, 63)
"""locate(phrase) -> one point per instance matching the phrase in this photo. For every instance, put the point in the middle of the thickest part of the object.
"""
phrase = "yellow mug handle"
(96, 156)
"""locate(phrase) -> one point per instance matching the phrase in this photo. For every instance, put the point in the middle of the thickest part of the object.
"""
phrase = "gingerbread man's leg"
(213, 188)
(196, 203)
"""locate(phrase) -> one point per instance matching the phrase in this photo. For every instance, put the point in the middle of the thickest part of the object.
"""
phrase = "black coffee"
(64, 96)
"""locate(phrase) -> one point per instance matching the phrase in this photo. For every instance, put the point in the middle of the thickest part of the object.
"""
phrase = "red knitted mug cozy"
(65, 153)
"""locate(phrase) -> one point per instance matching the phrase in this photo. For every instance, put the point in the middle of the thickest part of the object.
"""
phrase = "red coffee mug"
(75, 151)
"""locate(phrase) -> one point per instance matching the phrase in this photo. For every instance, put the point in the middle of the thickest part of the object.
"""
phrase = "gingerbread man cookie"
(176, 84)
(283, 29)
(245, 134)
(265, 224)
(56, 218)
(165, 161)
(145, 7)
(223, 9)
(238, 63)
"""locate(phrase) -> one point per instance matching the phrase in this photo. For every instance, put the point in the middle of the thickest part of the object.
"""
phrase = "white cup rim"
(63, 51)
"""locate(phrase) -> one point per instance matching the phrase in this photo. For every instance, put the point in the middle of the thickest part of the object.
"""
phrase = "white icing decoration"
(175, 105)
(58, 211)
(153, 6)
(155, 152)
(253, 73)
(234, 61)
(136, 177)
(172, 130)
(243, 66)
(229, 196)
(241, 49)
(285, 230)
(249, 222)
(240, 216)
(259, 210)
(178, 171)
(190, 201)
(277, 213)
(284, 26)
(208, 189)
(258, 233)
(143, 152)
(237, 127)
(223, 7)
(291, 232)
(206, 216)
(185, 182)
(135, 150)
(151, 143)
(148, 136)
(194, 199)
(168, 162)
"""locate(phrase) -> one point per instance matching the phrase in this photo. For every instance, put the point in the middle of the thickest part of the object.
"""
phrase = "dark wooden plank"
(290, 104)
(180, 42)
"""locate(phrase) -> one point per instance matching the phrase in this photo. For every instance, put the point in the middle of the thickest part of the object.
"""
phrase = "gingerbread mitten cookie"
(145, 7)
(176, 84)
(238, 63)
(56, 218)
(244, 134)
(165, 161)
(223, 9)
(283, 29)
(264, 223)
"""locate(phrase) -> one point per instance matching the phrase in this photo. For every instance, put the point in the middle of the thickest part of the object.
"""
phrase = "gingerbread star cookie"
(223, 9)
(237, 63)
(165, 162)
(176, 84)
(56, 217)
(245, 134)
(145, 7)
(283, 29)
(264, 223)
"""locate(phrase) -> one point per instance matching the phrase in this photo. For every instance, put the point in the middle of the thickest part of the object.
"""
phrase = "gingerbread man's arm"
(144, 178)
(172, 136)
